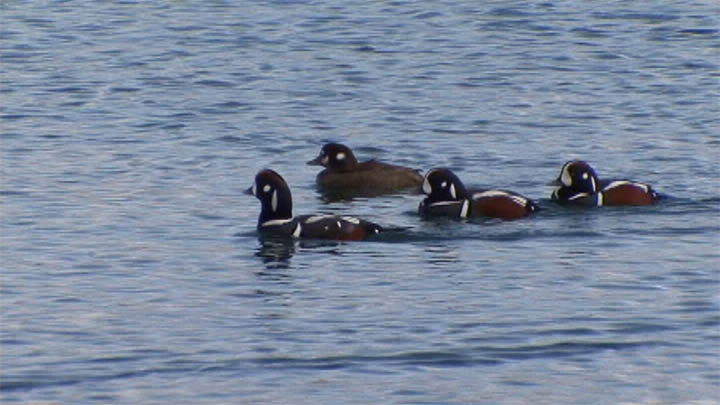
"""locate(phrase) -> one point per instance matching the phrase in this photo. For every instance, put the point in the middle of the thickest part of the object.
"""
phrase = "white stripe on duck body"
(448, 197)
(578, 184)
(276, 214)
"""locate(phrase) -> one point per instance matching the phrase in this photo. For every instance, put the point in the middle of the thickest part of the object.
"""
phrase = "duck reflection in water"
(276, 251)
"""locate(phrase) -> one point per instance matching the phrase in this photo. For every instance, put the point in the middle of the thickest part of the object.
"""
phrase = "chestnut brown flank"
(627, 194)
(499, 207)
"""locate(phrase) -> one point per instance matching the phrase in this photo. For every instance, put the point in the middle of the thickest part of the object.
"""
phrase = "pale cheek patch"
(325, 160)
(254, 190)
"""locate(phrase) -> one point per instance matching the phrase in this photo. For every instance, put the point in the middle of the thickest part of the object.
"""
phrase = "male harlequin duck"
(344, 173)
(276, 214)
(448, 197)
(579, 185)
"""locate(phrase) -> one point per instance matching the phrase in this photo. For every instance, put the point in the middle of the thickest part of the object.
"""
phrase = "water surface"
(132, 272)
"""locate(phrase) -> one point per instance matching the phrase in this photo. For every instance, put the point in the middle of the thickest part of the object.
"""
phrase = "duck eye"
(267, 188)
(340, 156)
(443, 184)
(585, 175)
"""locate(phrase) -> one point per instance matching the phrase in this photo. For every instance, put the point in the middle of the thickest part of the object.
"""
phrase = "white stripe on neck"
(274, 222)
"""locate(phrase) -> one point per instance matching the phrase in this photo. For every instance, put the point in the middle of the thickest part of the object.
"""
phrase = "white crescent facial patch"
(426, 187)
(565, 177)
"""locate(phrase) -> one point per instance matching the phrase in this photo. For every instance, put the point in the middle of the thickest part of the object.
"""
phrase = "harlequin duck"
(343, 173)
(448, 197)
(276, 214)
(578, 184)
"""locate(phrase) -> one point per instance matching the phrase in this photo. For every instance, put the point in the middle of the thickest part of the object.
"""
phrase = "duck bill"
(249, 191)
(315, 162)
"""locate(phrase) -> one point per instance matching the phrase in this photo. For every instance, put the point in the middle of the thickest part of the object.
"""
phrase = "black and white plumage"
(448, 197)
(276, 214)
(578, 184)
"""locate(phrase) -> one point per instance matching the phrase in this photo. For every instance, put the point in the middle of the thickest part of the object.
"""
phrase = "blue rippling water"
(132, 272)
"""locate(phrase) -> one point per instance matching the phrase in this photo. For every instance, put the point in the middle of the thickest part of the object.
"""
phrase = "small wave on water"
(477, 356)
(158, 363)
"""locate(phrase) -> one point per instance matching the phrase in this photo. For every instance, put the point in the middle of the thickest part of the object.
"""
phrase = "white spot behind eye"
(267, 188)
(340, 156)
(585, 176)
(452, 191)
(443, 184)
(274, 201)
